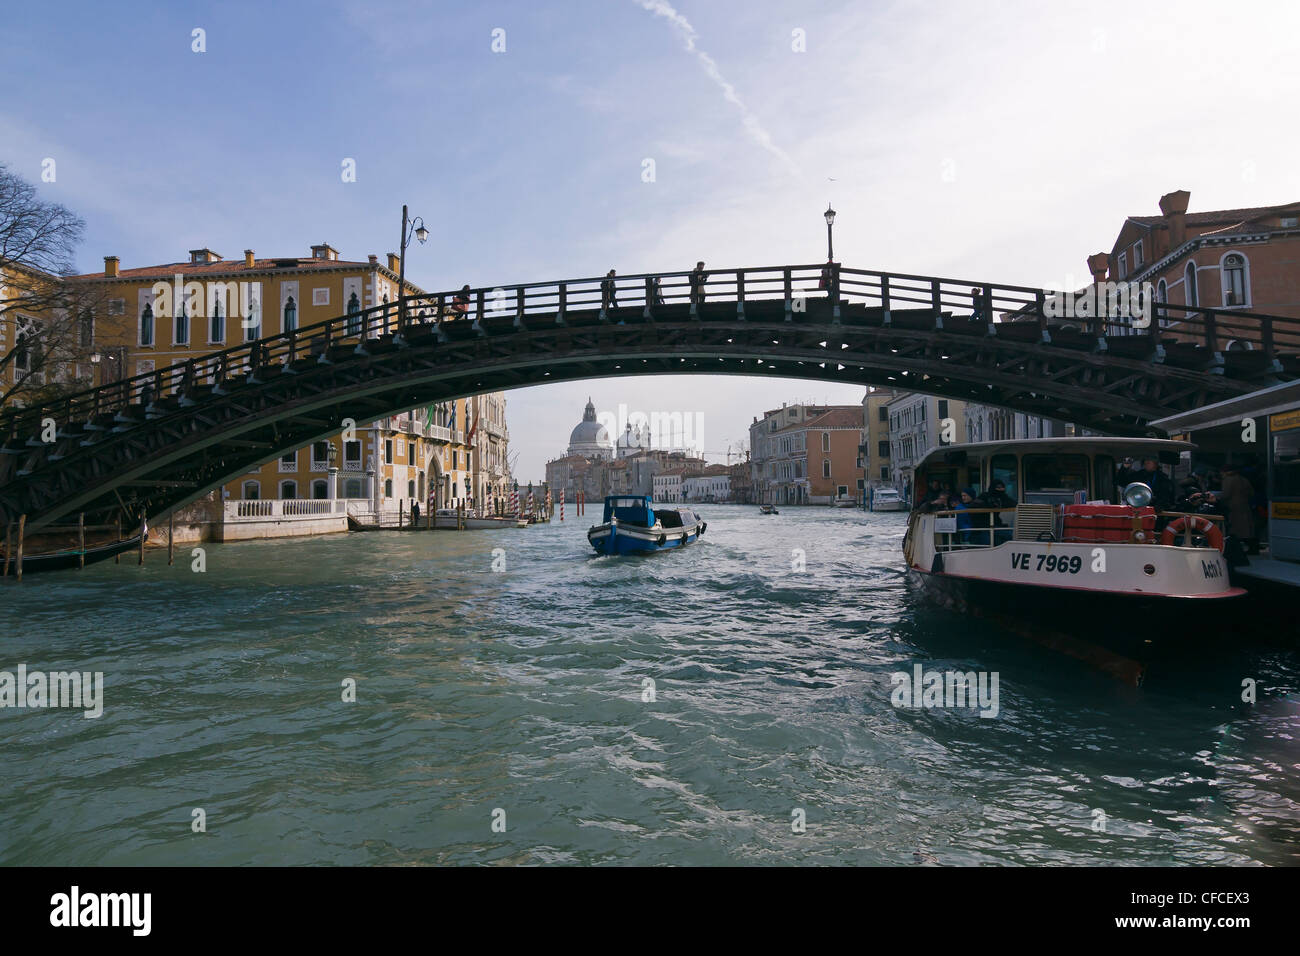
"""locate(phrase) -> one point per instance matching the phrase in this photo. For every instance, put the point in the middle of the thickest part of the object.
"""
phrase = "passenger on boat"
(997, 497)
(961, 506)
(938, 503)
(1162, 487)
(931, 494)
(1236, 505)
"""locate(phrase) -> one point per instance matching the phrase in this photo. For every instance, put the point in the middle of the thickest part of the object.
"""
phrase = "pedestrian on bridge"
(697, 284)
(460, 304)
(608, 292)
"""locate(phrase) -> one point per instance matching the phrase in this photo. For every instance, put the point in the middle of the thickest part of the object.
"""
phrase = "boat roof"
(1078, 445)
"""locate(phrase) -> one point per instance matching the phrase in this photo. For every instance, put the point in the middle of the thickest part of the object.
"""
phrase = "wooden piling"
(141, 560)
(22, 527)
(81, 541)
(401, 511)
(8, 532)
(171, 538)
(117, 558)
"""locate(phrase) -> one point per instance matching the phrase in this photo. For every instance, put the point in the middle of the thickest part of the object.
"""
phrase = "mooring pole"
(81, 540)
(117, 558)
(22, 527)
(401, 509)
(171, 537)
(141, 561)
(9, 525)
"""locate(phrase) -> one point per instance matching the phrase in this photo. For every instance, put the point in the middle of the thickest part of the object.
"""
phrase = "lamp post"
(830, 223)
(420, 233)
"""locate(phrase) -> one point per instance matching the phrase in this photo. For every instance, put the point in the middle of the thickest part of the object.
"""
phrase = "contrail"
(752, 126)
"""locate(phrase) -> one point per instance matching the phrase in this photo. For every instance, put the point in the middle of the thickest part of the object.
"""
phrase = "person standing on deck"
(608, 293)
(1235, 499)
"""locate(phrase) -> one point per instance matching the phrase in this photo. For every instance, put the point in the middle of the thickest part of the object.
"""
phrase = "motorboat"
(884, 498)
(631, 524)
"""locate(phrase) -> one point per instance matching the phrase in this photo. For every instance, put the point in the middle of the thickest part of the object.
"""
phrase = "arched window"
(320, 489)
(290, 314)
(354, 315)
(1162, 297)
(352, 488)
(1191, 296)
(146, 325)
(388, 487)
(826, 467)
(410, 489)
(252, 490)
(216, 325)
(288, 489)
(181, 327)
(1234, 279)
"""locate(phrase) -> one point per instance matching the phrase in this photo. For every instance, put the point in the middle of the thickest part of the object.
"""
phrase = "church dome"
(589, 438)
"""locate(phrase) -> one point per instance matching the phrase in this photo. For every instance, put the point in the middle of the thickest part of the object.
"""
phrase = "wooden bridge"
(155, 442)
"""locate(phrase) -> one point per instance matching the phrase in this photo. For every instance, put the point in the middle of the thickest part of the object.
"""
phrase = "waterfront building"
(806, 454)
(589, 439)
(712, 484)
(668, 485)
(916, 425)
(1224, 258)
(874, 453)
(987, 423)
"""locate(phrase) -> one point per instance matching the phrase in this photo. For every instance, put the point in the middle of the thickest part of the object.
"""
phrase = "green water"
(523, 691)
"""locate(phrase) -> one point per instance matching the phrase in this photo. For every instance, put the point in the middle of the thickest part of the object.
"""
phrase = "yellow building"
(155, 316)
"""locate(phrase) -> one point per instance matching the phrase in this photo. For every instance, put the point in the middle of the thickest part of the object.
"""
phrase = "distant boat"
(446, 518)
(886, 499)
(846, 502)
(768, 510)
(631, 524)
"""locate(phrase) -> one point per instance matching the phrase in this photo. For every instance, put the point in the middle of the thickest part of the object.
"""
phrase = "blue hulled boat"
(631, 524)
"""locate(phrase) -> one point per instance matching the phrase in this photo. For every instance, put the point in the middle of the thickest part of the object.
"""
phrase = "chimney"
(374, 259)
(1098, 263)
(1174, 208)
(110, 267)
(394, 262)
(248, 258)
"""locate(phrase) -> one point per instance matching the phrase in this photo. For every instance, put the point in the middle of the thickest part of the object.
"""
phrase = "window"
(24, 343)
(1003, 468)
(320, 455)
(1234, 279)
(289, 462)
(354, 315)
(882, 449)
(1286, 464)
(86, 329)
(320, 488)
(1290, 222)
(410, 453)
(117, 306)
(1162, 297)
(146, 325)
(826, 441)
(884, 472)
(410, 489)
(455, 460)
(1056, 472)
(388, 451)
(1138, 258)
(388, 487)
(1190, 294)
(943, 408)
(290, 314)
(1123, 264)
(320, 296)
(1103, 478)
(826, 467)
(216, 326)
(352, 488)
(288, 489)
(181, 327)
(352, 454)
(842, 491)
(252, 490)
(253, 324)
(884, 414)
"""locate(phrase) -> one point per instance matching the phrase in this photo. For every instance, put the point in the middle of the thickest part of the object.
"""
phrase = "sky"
(1000, 142)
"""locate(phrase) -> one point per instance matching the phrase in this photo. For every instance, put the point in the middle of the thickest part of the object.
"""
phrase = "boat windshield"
(1056, 473)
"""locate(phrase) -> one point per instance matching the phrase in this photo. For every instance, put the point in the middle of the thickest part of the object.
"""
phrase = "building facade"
(917, 424)
(806, 454)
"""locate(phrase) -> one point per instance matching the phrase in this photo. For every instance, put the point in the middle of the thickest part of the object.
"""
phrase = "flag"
(452, 423)
(472, 428)
(428, 417)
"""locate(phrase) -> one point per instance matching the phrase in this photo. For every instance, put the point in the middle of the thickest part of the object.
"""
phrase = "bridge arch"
(157, 441)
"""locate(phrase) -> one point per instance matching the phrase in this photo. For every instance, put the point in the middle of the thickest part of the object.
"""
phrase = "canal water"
(727, 704)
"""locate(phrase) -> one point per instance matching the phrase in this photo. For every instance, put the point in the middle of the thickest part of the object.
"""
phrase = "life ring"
(704, 526)
(662, 539)
(1199, 525)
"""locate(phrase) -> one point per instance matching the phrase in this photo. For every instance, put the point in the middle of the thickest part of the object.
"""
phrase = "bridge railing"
(942, 302)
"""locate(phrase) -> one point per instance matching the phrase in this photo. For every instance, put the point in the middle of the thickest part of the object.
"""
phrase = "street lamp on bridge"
(830, 223)
(422, 234)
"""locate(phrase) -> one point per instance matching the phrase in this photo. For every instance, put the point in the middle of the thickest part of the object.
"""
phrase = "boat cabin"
(1043, 471)
(638, 511)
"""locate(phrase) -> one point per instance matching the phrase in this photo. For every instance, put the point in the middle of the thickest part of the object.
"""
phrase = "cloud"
(751, 122)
